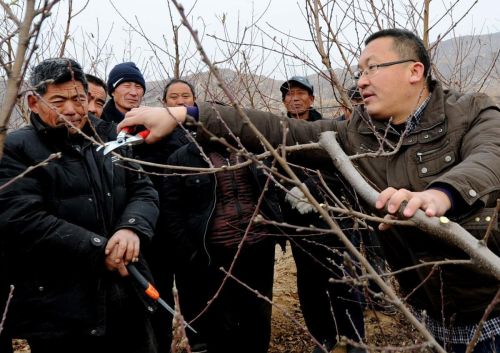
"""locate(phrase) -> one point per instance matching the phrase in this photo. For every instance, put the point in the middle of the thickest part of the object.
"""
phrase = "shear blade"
(112, 147)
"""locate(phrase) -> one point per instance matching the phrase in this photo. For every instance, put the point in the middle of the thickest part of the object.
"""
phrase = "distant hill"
(462, 63)
(468, 63)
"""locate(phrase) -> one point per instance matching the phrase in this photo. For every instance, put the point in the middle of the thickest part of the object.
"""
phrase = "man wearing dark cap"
(126, 86)
(329, 309)
(298, 97)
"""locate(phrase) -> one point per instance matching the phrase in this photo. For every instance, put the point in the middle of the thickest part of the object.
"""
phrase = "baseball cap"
(299, 81)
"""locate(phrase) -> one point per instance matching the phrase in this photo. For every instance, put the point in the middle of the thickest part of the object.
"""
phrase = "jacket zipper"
(423, 154)
(208, 220)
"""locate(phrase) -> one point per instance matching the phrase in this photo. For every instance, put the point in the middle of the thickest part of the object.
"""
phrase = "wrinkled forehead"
(66, 89)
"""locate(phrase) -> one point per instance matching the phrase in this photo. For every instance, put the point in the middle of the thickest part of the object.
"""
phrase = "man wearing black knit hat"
(126, 86)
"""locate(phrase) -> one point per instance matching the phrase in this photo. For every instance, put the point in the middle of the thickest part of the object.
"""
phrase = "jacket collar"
(60, 135)
(110, 113)
(313, 115)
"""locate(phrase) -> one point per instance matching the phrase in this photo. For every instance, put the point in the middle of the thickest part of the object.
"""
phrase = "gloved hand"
(296, 198)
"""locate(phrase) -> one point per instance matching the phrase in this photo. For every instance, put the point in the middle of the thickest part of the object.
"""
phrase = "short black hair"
(173, 81)
(55, 71)
(408, 45)
(97, 81)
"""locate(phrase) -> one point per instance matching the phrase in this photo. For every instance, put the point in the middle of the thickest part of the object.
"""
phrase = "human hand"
(433, 202)
(123, 247)
(296, 198)
(159, 121)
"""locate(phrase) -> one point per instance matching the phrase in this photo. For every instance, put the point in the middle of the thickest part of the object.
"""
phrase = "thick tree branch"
(441, 227)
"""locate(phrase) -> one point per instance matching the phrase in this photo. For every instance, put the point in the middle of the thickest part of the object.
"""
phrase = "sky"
(100, 21)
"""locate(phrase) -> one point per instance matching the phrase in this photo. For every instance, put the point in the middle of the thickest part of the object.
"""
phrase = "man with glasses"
(447, 164)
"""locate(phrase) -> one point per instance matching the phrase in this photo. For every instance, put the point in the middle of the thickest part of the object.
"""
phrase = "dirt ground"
(288, 335)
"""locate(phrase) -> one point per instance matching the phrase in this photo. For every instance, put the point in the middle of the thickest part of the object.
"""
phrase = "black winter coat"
(55, 222)
(188, 202)
(110, 113)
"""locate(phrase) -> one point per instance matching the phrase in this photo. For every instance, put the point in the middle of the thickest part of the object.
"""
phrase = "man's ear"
(417, 72)
(33, 102)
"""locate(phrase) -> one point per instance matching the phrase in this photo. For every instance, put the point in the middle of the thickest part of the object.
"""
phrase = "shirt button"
(488, 219)
(93, 332)
(477, 219)
(447, 159)
(97, 240)
(426, 136)
(109, 194)
(41, 289)
(90, 199)
(131, 220)
(424, 170)
(472, 193)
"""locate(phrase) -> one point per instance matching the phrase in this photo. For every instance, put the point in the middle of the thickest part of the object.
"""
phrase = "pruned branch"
(441, 227)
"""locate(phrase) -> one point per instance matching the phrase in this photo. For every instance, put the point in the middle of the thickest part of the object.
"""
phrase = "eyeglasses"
(371, 70)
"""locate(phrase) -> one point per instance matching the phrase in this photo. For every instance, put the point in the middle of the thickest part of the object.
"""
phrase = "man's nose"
(70, 108)
(363, 81)
(92, 107)
(134, 90)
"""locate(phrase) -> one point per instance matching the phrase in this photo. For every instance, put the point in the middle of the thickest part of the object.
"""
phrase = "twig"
(9, 299)
(283, 311)
(31, 168)
(487, 312)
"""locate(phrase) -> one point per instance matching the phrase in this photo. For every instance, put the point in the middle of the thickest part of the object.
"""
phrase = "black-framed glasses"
(372, 69)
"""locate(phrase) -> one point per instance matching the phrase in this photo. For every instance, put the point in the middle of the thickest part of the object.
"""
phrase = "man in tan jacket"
(448, 164)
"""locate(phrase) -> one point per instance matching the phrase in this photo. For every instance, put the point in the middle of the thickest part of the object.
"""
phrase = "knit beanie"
(125, 72)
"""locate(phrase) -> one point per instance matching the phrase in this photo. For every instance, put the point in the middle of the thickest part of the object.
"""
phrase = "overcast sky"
(284, 15)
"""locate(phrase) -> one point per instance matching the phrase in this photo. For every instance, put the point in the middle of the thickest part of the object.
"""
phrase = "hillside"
(468, 63)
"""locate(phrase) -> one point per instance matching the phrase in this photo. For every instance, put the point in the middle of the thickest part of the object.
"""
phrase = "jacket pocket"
(478, 223)
(434, 160)
(197, 180)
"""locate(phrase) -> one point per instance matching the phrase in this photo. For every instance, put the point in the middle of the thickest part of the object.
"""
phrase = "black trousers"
(128, 327)
(237, 321)
(160, 260)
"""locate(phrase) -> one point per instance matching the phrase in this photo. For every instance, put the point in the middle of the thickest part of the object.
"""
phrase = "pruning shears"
(152, 292)
(124, 138)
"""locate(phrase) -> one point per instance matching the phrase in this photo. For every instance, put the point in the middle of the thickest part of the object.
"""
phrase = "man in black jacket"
(69, 229)
(206, 217)
(126, 86)
(330, 309)
(298, 97)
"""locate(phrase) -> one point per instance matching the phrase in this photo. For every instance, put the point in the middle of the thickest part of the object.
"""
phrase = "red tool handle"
(127, 129)
(144, 133)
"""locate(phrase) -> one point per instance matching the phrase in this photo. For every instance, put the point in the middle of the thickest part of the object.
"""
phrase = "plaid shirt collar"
(413, 119)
